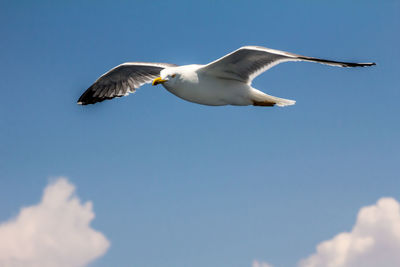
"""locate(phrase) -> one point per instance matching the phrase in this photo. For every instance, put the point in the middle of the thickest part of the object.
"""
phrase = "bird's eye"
(173, 75)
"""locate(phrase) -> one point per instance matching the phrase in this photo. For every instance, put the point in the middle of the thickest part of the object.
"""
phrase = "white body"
(191, 84)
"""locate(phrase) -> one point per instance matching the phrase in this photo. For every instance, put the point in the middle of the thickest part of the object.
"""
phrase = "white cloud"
(53, 233)
(261, 264)
(373, 241)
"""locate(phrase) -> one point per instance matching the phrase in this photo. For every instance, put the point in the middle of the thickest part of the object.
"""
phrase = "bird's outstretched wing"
(121, 81)
(247, 62)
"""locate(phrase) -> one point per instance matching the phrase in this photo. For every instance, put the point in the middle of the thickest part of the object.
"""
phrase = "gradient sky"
(179, 184)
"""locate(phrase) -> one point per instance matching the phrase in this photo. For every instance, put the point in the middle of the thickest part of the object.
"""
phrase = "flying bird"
(225, 81)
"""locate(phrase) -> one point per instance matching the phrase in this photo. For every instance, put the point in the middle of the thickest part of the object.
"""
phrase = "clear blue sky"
(179, 184)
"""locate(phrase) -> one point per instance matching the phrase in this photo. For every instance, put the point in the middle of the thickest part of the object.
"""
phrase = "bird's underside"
(226, 81)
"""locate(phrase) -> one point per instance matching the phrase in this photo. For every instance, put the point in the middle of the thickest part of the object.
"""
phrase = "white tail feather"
(281, 102)
(259, 96)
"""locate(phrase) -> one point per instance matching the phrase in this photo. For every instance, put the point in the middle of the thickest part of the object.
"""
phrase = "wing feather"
(121, 81)
(247, 62)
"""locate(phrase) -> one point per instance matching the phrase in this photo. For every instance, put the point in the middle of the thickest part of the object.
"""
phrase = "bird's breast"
(209, 91)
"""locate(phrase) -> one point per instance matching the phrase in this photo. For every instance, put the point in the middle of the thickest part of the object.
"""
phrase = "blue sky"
(179, 184)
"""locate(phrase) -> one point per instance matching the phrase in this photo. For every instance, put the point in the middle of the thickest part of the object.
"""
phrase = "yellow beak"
(158, 80)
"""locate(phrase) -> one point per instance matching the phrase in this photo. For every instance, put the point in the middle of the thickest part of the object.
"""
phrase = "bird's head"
(166, 76)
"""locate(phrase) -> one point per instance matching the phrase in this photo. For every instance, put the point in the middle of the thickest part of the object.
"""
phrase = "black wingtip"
(351, 65)
(81, 103)
(337, 63)
(91, 101)
(369, 64)
(87, 98)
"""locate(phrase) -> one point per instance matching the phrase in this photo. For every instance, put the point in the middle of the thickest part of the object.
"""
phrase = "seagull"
(225, 81)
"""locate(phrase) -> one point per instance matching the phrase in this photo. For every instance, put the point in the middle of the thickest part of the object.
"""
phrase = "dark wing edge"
(337, 63)
(122, 80)
(247, 62)
(296, 57)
